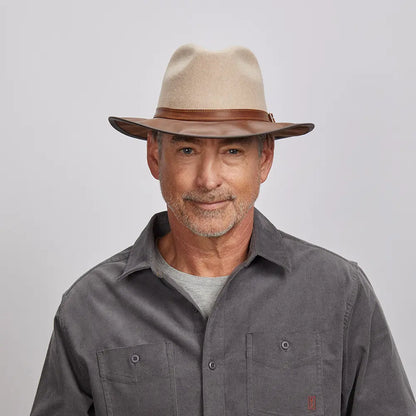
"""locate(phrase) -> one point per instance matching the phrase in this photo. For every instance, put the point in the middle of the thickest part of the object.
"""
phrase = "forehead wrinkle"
(223, 141)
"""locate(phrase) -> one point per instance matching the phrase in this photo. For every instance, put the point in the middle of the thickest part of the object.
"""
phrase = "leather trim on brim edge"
(138, 128)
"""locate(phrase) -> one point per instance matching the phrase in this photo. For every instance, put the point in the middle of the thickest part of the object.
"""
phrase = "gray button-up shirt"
(296, 330)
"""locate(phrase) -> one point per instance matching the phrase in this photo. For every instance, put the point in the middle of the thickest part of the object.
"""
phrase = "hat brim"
(139, 127)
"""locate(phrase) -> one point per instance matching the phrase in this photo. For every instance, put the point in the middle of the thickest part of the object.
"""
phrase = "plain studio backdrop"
(74, 191)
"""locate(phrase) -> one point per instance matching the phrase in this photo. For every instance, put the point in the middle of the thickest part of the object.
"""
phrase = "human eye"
(233, 151)
(186, 150)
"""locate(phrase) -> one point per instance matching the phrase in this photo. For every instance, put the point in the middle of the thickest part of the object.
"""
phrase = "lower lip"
(211, 206)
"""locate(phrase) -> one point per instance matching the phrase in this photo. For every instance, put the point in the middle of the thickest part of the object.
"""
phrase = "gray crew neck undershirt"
(203, 290)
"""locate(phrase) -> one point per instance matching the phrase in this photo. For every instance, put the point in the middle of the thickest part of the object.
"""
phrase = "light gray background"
(74, 191)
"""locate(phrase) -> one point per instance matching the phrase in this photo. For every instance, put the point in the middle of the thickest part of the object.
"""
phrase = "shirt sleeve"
(62, 387)
(374, 380)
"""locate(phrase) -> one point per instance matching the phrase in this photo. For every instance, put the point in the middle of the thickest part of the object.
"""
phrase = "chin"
(210, 233)
(205, 230)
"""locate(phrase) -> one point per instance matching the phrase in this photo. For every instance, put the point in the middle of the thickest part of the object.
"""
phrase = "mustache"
(208, 197)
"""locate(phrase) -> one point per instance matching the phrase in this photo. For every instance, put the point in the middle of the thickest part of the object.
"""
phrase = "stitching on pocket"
(114, 359)
(113, 377)
(314, 359)
(171, 364)
(296, 364)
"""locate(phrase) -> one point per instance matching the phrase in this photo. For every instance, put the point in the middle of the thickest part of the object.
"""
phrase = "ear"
(266, 158)
(153, 160)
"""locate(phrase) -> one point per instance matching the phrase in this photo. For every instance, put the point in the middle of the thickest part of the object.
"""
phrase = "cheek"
(246, 179)
(174, 181)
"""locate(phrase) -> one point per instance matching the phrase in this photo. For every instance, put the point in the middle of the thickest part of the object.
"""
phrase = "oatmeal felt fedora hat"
(211, 94)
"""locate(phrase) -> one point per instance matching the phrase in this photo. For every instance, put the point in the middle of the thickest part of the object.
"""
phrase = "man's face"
(209, 184)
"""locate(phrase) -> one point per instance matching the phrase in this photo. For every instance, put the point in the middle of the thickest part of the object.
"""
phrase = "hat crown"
(196, 78)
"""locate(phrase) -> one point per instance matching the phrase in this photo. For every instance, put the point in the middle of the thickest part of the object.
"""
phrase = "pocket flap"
(283, 349)
(128, 364)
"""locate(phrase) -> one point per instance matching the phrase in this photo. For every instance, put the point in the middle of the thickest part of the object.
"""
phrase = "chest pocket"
(284, 374)
(139, 380)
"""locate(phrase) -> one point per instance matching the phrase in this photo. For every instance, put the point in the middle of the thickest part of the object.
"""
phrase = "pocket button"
(284, 345)
(135, 358)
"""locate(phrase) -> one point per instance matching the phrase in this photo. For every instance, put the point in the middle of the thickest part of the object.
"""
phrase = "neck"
(206, 256)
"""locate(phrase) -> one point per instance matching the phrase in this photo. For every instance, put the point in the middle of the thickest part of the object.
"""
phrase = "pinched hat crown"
(200, 79)
(211, 94)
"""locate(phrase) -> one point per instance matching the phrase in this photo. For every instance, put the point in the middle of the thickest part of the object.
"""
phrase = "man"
(213, 311)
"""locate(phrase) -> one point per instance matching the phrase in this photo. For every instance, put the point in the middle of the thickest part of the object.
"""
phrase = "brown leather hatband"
(212, 115)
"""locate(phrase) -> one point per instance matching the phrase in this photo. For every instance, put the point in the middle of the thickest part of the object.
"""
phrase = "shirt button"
(285, 345)
(135, 358)
(212, 365)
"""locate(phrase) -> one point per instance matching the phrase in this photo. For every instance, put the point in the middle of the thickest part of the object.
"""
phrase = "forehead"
(174, 139)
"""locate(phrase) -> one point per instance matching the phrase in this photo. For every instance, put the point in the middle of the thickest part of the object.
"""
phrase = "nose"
(209, 173)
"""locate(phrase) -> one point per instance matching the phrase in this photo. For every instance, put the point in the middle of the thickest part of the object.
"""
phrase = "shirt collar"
(266, 241)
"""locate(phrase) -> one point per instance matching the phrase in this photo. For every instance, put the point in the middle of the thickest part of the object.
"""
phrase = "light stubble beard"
(241, 209)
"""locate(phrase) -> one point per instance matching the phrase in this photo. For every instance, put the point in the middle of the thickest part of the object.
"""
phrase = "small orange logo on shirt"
(311, 402)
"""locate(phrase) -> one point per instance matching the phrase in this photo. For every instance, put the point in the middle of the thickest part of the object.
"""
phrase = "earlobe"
(153, 155)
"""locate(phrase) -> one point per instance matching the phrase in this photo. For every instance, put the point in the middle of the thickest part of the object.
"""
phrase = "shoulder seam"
(347, 315)
(71, 349)
(113, 259)
(353, 297)
(307, 243)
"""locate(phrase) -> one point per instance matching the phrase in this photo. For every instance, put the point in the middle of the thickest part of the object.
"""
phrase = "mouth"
(210, 205)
